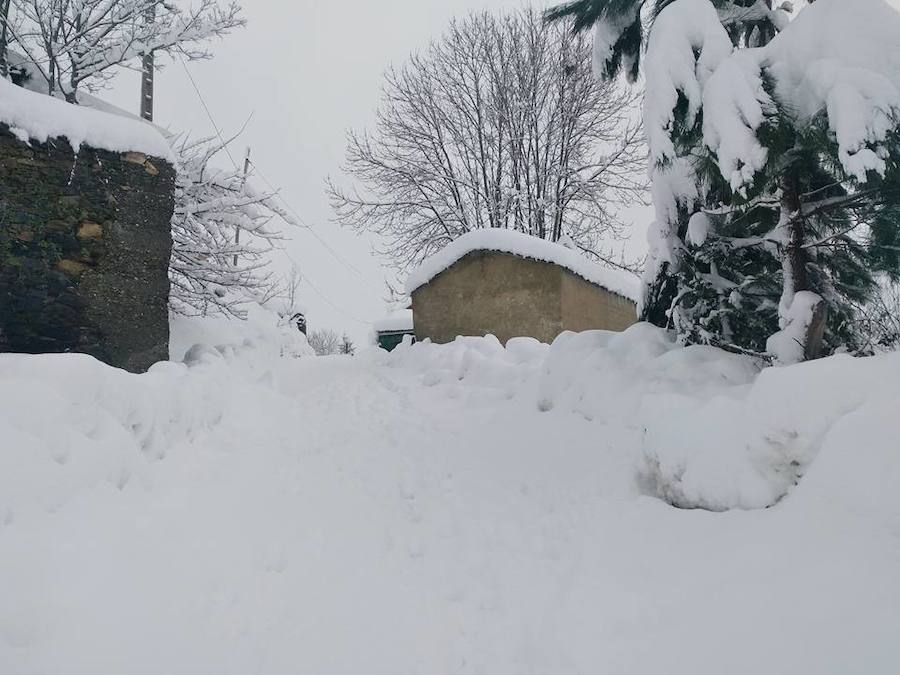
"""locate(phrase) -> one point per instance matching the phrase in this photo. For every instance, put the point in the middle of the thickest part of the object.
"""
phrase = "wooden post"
(237, 233)
(147, 71)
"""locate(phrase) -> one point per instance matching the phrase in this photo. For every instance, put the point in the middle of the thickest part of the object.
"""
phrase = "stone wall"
(509, 296)
(85, 242)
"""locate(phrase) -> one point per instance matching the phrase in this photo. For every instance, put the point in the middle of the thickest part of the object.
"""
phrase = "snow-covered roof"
(396, 322)
(525, 246)
(38, 117)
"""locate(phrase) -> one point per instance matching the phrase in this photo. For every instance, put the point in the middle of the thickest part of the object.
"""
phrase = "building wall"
(587, 307)
(85, 242)
(508, 296)
(488, 292)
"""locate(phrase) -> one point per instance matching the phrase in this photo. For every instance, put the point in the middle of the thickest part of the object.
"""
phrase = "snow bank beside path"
(34, 116)
(714, 432)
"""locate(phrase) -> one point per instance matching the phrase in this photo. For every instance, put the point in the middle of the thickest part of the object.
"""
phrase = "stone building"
(86, 201)
(509, 285)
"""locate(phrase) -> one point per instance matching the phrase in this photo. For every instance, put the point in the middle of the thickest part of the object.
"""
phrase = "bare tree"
(324, 342)
(499, 124)
(80, 42)
(880, 319)
(212, 269)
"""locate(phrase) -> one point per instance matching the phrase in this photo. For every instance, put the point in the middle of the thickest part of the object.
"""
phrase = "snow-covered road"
(464, 509)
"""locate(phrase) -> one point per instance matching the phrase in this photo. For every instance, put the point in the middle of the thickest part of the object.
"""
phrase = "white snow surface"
(401, 320)
(461, 508)
(525, 246)
(38, 117)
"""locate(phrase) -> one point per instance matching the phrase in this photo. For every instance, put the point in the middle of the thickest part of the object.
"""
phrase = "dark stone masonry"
(85, 242)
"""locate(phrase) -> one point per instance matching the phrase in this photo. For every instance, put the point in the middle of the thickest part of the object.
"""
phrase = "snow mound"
(479, 364)
(708, 429)
(262, 335)
(34, 116)
(525, 246)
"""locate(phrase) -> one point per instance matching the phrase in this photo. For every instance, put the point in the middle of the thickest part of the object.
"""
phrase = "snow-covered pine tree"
(700, 279)
(688, 280)
(221, 235)
(738, 239)
(814, 120)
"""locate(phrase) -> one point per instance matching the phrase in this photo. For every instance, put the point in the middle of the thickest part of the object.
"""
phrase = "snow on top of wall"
(395, 322)
(525, 246)
(839, 57)
(37, 117)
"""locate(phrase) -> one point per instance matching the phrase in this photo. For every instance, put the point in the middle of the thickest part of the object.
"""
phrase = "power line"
(208, 113)
(322, 295)
(313, 286)
(337, 256)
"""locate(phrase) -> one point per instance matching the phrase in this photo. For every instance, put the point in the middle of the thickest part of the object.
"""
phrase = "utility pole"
(147, 69)
(237, 232)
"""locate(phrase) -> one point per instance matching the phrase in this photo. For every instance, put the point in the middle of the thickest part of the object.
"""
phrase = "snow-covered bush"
(222, 233)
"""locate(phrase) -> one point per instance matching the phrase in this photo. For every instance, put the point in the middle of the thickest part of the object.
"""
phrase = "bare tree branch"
(499, 124)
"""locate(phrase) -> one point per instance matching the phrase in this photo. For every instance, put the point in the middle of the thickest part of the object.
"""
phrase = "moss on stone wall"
(85, 242)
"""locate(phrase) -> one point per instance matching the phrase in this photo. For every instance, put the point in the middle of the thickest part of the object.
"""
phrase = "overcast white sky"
(307, 70)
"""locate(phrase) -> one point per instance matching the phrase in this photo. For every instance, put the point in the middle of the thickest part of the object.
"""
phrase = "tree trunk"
(4, 30)
(796, 276)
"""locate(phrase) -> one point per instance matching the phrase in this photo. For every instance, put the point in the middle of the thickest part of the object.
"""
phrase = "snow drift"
(460, 508)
